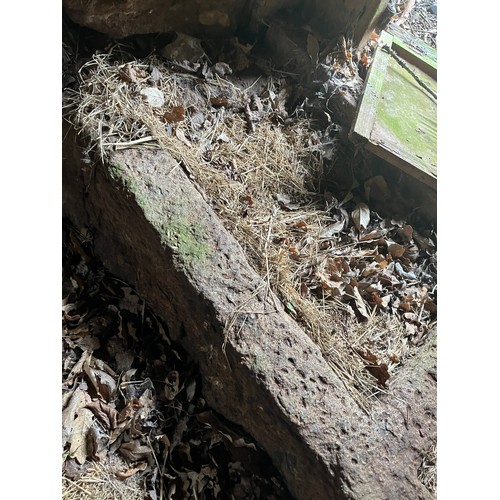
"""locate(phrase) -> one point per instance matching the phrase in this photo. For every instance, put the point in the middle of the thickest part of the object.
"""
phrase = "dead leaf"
(78, 448)
(332, 229)
(373, 235)
(423, 242)
(334, 288)
(256, 104)
(285, 202)
(105, 413)
(223, 137)
(381, 301)
(97, 443)
(196, 118)
(410, 329)
(92, 379)
(405, 233)
(174, 116)
(74, 470)
(242, 443)
(131, 471)
(367, 355)
(106, 384)
(155, 74)
(134, 450)
(190, 390)
(77, 368)
(247, 199)
(154, 97)
(361, 305)
(394, 358)
(300, 225)
(411, 253)
(396, 250)
(130, 74)
(180, 135)
(78, 400)
(279, 102)
(337, 266)
(250, 118)
(312, 47)
(219, 101)
(407, 275)
(361, 216)
(218, 69)
(380, 372)
(381, 261)
(430, 306)
(128, 375)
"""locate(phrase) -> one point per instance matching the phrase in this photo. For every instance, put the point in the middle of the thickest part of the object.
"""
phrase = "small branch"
(405, 66)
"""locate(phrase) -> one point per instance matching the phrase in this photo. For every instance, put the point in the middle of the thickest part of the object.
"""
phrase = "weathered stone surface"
(120, 19)
(326, 18)
(154, 229)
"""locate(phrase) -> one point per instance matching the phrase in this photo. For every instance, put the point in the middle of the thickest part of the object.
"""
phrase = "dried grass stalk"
(246, 175)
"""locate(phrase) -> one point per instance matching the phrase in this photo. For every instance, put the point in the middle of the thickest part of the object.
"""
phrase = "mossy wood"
(414, 50)
(397, 116)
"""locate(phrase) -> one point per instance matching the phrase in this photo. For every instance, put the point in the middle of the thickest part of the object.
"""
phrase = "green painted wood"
(404, 41)
(365, 117)
(414, 50)
(397, 117)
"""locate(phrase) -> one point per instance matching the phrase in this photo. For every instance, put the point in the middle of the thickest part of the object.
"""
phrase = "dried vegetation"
(361, 284)
(135, 424)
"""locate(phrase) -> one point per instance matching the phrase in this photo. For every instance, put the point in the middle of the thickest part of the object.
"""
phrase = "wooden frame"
(397, 117)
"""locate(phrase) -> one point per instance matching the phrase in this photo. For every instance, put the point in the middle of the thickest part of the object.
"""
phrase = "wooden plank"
(416, 45)
(405, 122)
(414, 50)
(365, 117)
(397, 116)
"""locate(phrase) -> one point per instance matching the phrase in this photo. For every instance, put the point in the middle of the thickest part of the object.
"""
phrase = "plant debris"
(273, 160)
(350, 276)
(134, 421)
(418, 18)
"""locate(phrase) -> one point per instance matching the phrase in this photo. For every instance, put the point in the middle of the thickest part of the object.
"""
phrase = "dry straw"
(260, 174)
(100, 481)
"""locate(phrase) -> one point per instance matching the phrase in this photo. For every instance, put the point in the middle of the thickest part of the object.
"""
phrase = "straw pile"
(360, 285)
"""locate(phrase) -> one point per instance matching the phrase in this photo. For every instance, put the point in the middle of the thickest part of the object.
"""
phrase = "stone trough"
(154, 229)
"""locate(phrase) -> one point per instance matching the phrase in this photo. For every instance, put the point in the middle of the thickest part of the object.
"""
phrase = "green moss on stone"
(186, 238)
(173, 220)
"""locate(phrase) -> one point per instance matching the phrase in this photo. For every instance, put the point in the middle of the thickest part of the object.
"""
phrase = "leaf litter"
(363, 289)
(352, 277)
(134, 421)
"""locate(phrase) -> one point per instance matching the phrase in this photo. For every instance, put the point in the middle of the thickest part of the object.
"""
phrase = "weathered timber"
(397, 114)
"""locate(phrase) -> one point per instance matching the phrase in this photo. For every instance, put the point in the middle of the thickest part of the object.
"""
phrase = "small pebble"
(433, 9)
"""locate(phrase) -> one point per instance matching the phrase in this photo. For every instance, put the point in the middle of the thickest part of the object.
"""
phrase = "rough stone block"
(154, 229)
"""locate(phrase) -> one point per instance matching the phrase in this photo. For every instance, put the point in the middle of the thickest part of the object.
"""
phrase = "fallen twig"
(405, 66)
